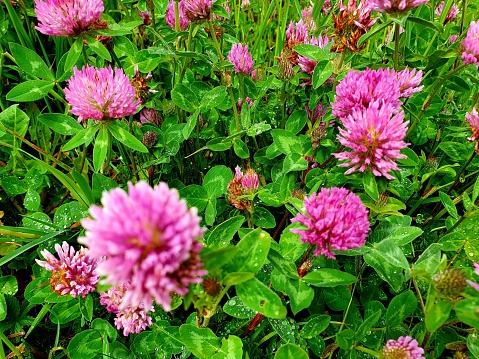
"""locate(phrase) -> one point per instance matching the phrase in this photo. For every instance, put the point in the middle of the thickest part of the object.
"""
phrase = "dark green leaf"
(370, 185)
(85, 345)
(126, 138)
(448, 205)
(84, 136)
(60, 123)
(222, 234)
(185, 98)
(400, 307)
(252, 251)
(100, 149)
(202, 342)
(329, 277)
(98, 48)
(218, 258)
(74, 54)
(315, 326)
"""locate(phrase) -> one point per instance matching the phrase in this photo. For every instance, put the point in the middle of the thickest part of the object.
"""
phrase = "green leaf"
(473, 344)
(98, 48)
(202, 342)
(30, 62)
(190, 124)
(296, 121)
(195, 196)
(105, 329)
(236, 308)
(236, 278)
(373, 31)
(16, 121)
(285, 266)
(30, 91)
(218, 258)
(366, 326)
(213, 98)
(219, 144)
(322, 71)
(126, 138)
(370, 185)
(294, 162)
(240, 148)
(252, 251)
(286, 142)
(60, 123)
(390, 252)
(86, 307)
(437, 314)
(315, 326)
(3, 307)
(66, 312)
(432, 25)
(100, 149)
(400, 307)
(291, 351)
(300, 294)
(260, 298)
(84, 136)
(85, 345)
(74, 54)
(13, 186)
(329, 277)
(466, 311)
(312, 52)
(404, 235)
(475, 191)
(285, 328)
(231, 348)
(222, 234)
(448, 205)
(428, 262)
(263, 218)
(386, 271)
(345, 339)
(216, 180)
(31, 200)
(185, 98)
(8, 285)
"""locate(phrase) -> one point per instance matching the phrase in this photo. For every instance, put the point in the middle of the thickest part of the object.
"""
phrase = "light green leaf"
(100, 149)
(98, 48)
(85, 345)
(126, 138)
(370, 185)
(60, 123)
(30, 91)
(185, 98)
(202, 342)
(84, 136)
(252, 251)
(322, 71)
(448, 205)
(400, 307)
(30, 62)
(222, 234)
(213, 98)
(291, 351)
(329, 277)
(216, 180)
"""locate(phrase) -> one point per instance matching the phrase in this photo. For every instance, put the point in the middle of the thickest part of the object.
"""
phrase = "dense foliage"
(239, 179)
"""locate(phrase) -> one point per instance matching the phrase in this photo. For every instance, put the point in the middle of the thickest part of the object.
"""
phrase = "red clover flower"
(67, 17)
(336, 219)
(395, 6)
(151, 235)
(73, 273)
(451, 14)
(404, 347)
(198, 10)
(470, 44)
(241, 59)
(101, 94)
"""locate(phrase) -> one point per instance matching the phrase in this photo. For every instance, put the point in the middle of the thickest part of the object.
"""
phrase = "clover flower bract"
(67, 17)
(336, 219)
(404, 347)
(101, 94)
(241, 59)
(73, 273)
(151, 235)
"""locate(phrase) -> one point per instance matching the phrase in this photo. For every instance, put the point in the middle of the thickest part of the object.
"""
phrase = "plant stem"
(366, 350)
(235, 110)
(456, 180)
(396, 45)
(215, 40)
(10, 345)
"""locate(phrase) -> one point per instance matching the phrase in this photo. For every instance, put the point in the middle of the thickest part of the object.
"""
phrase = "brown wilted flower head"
(141, 88)
(211, 286)
(285, 64)
(241, 185)
(352, 22)
(450, 283)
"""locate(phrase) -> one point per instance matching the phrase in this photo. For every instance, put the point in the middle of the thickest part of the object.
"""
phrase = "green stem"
(396, 46)
(10, 345)
(177, 17)
(430, 44)
(431, 96)
(456, 180)
(85, 57)
(283, 104)
(235, 110)
(215, 40)
(366, 350)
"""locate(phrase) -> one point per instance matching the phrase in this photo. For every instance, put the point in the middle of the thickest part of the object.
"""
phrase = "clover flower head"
(375, 135)
(150, 115)
(359, 90)
(335, 219)
(198, 10)
(395, 6)
(473, 120)
(245, 3)
(67, 17)
(151, 235)
(130, 319)
(101, 94)
(73, 273)
(404, 347)
(453, 12)
(471, 283)
(470, 44)
(409, 82)
(296, 33)
(241, 59)
(170, 15)
(452, 39)
(145, 16)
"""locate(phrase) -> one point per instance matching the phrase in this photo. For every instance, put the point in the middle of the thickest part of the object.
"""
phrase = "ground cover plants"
(239, 179)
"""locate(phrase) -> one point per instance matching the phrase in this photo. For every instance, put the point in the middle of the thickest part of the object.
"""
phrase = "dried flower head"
(101, 94)
(375, 135)
(170, 15)
(395, 6)
(149, 139)
(198, 10)
(353, 21)
(451, 15)
(73, 273)
(151, 235)
(470, 44)
(241, 185)
(211, 286)
(130, 319)
(450, 283)
(404, 347)
(241, 59)
(336, 219)
(67, 17)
